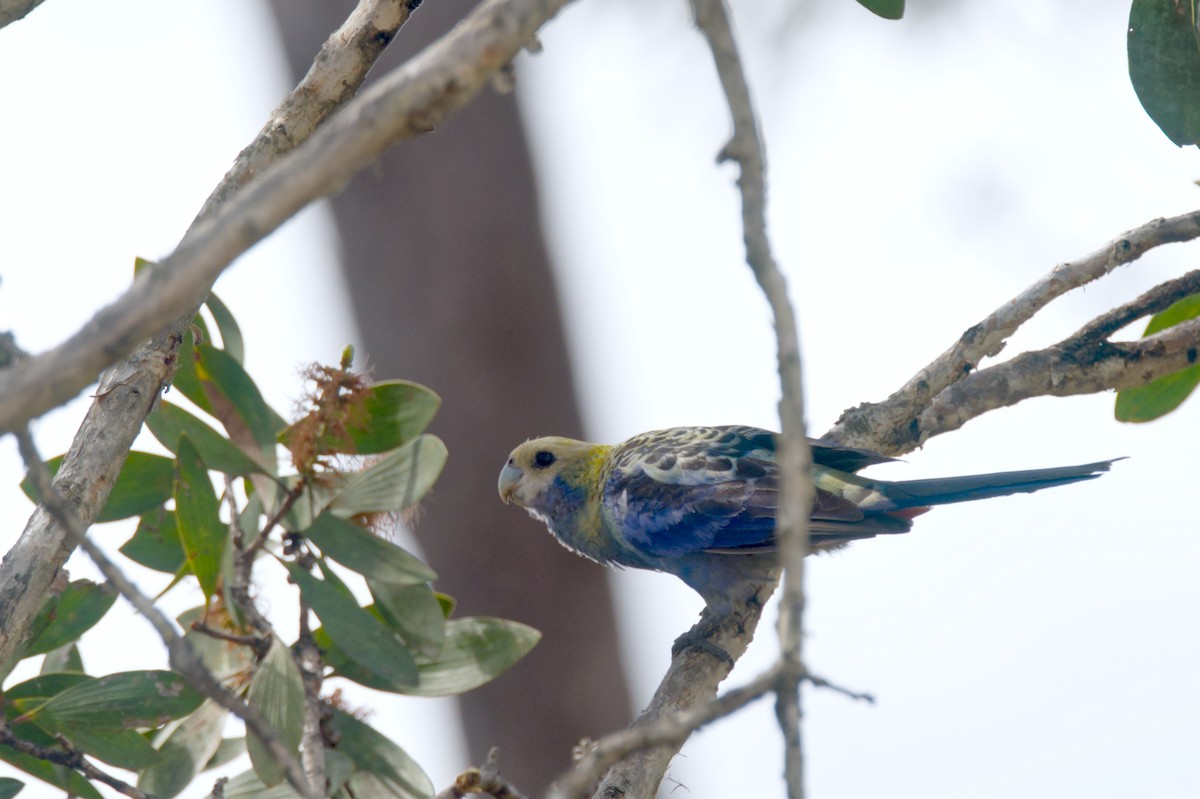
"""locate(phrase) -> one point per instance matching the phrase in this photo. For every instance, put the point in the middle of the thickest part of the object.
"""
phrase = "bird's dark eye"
(543, 459)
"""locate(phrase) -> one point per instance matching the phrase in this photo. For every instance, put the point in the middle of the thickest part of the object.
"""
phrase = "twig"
(182, 657)
(896, 425)
(316, 711)
(255, 642)
(130, 390)
(795, 459)
(71, 758)
(486, 780)
(670, 730)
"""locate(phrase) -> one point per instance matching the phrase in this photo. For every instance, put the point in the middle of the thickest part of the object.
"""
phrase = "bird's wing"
(684, 490)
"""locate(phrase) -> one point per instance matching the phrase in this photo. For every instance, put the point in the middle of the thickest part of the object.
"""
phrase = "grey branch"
(182, 657)
(898, 424)
(69, 757)
(13, 10)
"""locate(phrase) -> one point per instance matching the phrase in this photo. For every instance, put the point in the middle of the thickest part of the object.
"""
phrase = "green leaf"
(144, 483)
(187, 381)
(391, 413)
(396, 481)
(447, 602)
(382, 769)
(184, 751)
(365, 553)
(1160, 397)
(1164, 65)
(247, 785)
(227, 326)
(236, 401)
(123, 701)
(169, 423)
(414, 612)
(63, 618)
(477, 650)
(197, 513)
(277, 690)
(358, 633)
(888, 9)
(37, 690)
(229, 750)
(65, 658)
(156, 543)
(10, 787)
(121, 748)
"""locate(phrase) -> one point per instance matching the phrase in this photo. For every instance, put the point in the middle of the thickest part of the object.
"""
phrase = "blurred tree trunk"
(452, 287)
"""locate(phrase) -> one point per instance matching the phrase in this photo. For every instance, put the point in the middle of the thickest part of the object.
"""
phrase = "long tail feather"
(942, 491)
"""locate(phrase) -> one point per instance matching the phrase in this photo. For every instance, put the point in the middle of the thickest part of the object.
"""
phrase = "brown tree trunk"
(452, 287)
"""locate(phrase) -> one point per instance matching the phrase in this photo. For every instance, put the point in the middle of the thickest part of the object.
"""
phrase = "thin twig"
(795, 459)
(182, 657)
(896, 425)
(71, 758)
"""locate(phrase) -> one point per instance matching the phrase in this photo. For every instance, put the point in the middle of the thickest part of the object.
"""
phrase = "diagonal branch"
(71, 758)
(896, 425)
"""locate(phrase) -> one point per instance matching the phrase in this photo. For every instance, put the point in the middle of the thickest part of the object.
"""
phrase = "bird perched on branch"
(699, 502)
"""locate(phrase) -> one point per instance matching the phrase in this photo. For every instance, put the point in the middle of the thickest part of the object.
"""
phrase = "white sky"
(922, 173)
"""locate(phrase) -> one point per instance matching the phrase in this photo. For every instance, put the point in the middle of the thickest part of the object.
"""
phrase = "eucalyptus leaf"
(358, 633)
(10, 787)
(170, 422)
(394, 482)
(65, 658)
(277, 691)
(143, 483)
(121, 748)
(126, 700)
(414, 612)
(184, 751)
(1164, 65)
(366, 553)
(230, 749)
(247, 785)
(231, 335)
(888, 9)
(238, 404)
(1160, 397)
(477, 649)
(381, 769)
(197, 514)
(65, 617)
(155, 543)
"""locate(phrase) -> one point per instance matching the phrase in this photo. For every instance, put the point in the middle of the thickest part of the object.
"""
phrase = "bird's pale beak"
(509, 477)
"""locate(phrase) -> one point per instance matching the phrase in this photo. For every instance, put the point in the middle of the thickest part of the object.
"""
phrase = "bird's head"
(532, 469)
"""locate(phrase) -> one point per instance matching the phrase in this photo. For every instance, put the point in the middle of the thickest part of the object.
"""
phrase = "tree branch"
(897, 425)
(71, 758)
(13, 10)
(181, 656)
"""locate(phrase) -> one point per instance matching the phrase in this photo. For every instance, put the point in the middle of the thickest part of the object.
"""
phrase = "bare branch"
(795, 460)
(181, 656)
(71, 758)
(13, 10)
(892, 426)
(487, 781)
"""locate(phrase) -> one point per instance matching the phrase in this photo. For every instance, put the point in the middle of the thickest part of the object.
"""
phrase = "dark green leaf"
(247, 785)
(156, 543)
(365, 553)
(1160, 397)
(185, 752)
(390, 414)
(144, 483)
(277, 691)
(121, 748)
(888, 9)
(197, 513)
(187, 381)
(10, 787)
(1164, 65)
(394, 482)
(63, 618)
(36, 691)
(381, 769)
(414, 612)
(477, 650)
(65, 658)
(231, 334)
(236, 401)
(169, 422)
(358, 633)
(128, 700)
(447, 602)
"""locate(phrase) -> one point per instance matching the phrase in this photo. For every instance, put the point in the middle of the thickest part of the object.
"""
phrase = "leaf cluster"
(226, 503)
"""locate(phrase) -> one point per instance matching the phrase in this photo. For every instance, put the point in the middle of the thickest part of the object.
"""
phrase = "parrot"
(699, 502)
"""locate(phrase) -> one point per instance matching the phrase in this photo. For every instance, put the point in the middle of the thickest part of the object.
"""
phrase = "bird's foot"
(698, 638)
